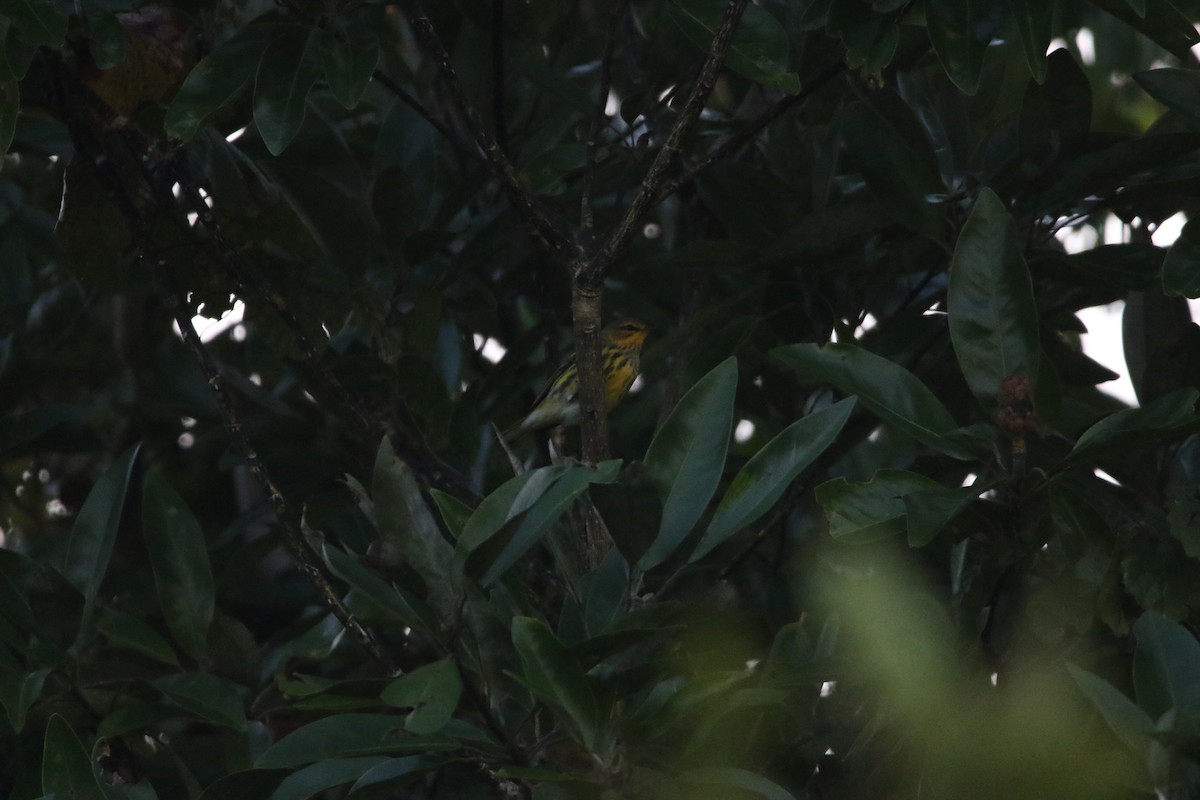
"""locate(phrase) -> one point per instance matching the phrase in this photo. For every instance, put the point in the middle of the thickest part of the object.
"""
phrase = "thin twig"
(592, 272)
(732, 143)
(415, 104)
(600, 117)
(499, 115)
(552, 235)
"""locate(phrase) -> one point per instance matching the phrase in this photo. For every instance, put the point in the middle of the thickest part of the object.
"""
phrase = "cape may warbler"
(558, 404)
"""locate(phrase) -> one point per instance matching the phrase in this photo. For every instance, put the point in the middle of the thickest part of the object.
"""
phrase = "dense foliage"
(292, 560)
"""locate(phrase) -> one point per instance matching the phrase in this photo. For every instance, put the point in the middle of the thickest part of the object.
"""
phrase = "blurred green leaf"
(1159, 20)
(759, 50)
(67, 770)
(126, 631)
(382, 594)
(215, 699)
(1171, 415)
(1057, 114)
(431, 691)
(1177, 89)
(1131, 724)
(1181, 268)
(687, 455)
(866, 512)
(887, 389)
(393, 773)
(346, 736)
(179, 555)
(1166, 662)
(10, 108)
(772, 469)
(740, 780)
(1161, 344)
(316, 778)
(993, 317)
(95, 530)
(18, 431)
(288, 69)
(556, 677)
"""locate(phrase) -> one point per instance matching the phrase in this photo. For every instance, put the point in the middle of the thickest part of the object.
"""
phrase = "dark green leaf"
(555, 676)
(1130, 723)
(10, 107)
(316, 778)
(1181, 268)
(687, 456)
(95, 529)
(993, 318)
(215, 699)
(1160, 21)
(1162, 345)
(288, 69)
(379, 592)
(902, 178)
(961, 31)
(772, 469)
(759, 50)
(513, 497)
(19, 691)
(37, 21)
(1057, 115)
(741, 780)
(887, 389)
(431, 692)
(345, 736)
(67, 771)
(408, 533)
(349, 54)
(866, 512)
(179, 556)
(126, 631)
(455, 512)
(930, 511)
(1034, 18)
(218, 79)
(1171, 415)
(18, 431)
(1166, 665)
(545, 512)
(394, 772)
(1177, 89)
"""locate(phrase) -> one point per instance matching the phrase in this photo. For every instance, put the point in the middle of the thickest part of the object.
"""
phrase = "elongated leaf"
(741, 780)
(407, 531)
(208, 696)
(1166, 666)
(126, 631)
(388, 598)
(993, 318)
(961, 31)
(772, 469)
(1160, 21)
(220, 77)
(37, 21)
(1130, 723)
(95, 529)
(349, 55)
(179, 557)
(316, 778)
(759, 50)
(901, 173)
(396, 771)
(19, 691)
(555, 676)
(1181, 268)
(1034, 18)
(10, 107)
(545, 512)
(1177, 89)
(431, 692)
(887, 389)
(455, 512)
(67, 770)
(930, 511)
(1170, 415)
(866, 512)
(345, 736)
(288, 69)
(687, 456)
(1056, 116)
(513, 497)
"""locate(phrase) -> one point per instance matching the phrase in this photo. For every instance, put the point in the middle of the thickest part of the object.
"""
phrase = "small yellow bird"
(558, 403)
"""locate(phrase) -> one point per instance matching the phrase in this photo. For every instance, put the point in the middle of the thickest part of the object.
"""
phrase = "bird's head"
(626, 333)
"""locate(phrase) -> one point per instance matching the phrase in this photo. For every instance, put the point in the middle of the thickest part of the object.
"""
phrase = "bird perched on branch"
(558, 403)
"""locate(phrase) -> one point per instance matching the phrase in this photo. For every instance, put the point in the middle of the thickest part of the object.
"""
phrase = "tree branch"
(549, 232)
(598, 121)
(592, 272)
